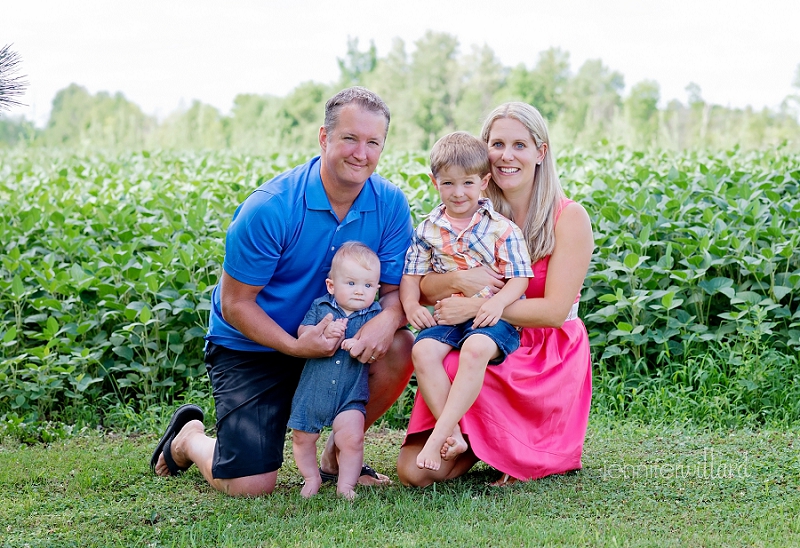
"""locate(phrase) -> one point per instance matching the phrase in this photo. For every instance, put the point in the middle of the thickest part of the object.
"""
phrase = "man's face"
(350, 152)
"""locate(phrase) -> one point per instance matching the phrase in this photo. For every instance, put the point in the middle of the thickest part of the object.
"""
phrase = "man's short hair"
(357, 95)
(461, 150)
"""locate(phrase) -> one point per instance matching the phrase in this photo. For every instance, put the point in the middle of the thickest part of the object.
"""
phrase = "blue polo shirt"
(283, 236)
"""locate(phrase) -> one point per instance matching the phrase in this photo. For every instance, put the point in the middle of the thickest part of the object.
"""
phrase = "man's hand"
(374, 338)
(312, 342)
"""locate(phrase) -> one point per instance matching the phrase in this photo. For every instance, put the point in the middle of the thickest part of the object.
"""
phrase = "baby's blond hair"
(358, 252)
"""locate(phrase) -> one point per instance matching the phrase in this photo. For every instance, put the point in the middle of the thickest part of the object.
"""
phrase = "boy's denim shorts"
(504, 335)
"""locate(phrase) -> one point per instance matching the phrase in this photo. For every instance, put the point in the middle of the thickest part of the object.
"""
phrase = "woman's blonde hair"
(539, 226)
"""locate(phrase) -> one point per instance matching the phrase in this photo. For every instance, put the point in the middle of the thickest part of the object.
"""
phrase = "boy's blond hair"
(358, 252)
(462, 150)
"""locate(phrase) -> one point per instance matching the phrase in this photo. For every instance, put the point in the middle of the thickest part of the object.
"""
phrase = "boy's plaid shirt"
(489, 240)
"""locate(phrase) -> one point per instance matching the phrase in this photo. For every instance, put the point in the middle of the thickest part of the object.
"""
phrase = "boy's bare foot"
(347, 495)
(429, 458)
(311, 487)
(453, 447)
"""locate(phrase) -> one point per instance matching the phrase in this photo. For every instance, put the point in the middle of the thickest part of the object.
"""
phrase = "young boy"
(334, 391)
(462, 232)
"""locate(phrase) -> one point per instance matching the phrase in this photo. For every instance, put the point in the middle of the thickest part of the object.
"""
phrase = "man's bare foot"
(178, 447)
(429, 458)
(453, 447)
(371, 477)
(310, 487)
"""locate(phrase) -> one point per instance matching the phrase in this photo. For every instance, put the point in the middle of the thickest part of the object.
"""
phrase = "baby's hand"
(354, 346)
(420, 318)
(489, 313)
(336, 328)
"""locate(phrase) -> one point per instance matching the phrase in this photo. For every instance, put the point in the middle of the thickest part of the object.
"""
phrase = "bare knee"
(250, 486)
(350, 441)
(398, 357)
(478, 350)
(429, 353)
(408, 472)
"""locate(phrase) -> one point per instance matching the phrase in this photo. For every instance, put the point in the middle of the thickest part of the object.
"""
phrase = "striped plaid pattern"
(490, 239)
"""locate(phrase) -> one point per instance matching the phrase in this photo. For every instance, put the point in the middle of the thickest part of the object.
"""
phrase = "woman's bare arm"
(435, 287)
(566, 273)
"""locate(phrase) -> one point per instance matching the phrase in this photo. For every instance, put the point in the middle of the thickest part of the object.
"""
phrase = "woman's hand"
(456, 310)
(472, 281)
(467, 282)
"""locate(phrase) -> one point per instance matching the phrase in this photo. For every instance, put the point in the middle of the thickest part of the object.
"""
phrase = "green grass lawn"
(640, 486)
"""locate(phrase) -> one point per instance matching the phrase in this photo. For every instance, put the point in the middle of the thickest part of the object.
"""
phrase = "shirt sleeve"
(513, 258)
(396, 239)
(420, 253)
(254, 239)
(312, 316)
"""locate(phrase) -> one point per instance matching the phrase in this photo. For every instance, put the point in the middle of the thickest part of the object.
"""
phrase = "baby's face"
(353, 286)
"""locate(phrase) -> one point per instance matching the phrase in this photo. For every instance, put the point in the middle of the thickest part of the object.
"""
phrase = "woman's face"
(513, 154)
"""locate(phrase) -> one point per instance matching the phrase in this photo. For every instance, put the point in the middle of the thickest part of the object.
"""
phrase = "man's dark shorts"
(504, 335)
(253, 397)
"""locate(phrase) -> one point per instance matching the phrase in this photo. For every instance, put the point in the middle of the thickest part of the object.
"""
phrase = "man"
(278, 252)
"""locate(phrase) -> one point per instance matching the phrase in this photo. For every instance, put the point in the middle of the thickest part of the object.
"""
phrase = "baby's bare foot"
(311, 487)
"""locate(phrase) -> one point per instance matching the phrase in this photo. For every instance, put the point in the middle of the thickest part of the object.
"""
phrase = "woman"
(529, 420)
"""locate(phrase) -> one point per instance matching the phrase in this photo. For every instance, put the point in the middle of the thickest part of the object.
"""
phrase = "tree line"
(431, 91)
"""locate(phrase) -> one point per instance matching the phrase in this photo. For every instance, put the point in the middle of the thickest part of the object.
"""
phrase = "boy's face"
(353, 286)
(460, 191)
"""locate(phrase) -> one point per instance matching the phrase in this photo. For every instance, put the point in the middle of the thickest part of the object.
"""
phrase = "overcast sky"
(162, 54)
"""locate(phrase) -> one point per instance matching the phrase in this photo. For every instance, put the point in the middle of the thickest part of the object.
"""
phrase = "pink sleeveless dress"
(530, 417)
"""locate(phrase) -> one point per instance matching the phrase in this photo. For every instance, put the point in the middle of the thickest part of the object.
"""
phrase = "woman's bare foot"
(310, 487)
(504, 481)
(430, 457)
(178, 448)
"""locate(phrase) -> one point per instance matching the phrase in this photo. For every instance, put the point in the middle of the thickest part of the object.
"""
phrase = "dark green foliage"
(108, 261)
